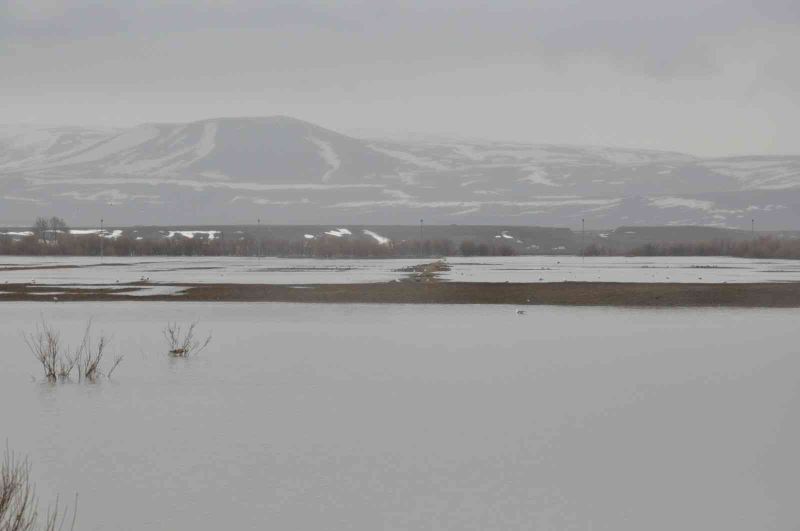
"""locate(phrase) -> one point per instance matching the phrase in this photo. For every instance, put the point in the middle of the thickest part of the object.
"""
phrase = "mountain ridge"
(232, 169)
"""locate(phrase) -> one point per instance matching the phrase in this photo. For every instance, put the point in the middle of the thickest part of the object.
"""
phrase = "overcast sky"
(700, 76)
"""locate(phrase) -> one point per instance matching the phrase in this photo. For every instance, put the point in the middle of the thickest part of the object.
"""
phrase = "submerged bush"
(58, 361)
(182, 344)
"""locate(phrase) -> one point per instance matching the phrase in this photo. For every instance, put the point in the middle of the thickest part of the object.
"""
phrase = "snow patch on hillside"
(339, 233)
(680, 202)
(410, 158)
(190, 183)
(210, 234)
(24, 199)
(99, 232)
(114, 146)
(207, 141)
(378, 238)
(329, 155)
(111, 196)
(539, 176)
(755, 173)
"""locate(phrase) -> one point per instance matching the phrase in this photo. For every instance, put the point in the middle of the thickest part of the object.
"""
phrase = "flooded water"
(417, 417)
(90, 271)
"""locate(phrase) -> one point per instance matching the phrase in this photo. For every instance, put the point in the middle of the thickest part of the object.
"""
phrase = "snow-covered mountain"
(283, 170)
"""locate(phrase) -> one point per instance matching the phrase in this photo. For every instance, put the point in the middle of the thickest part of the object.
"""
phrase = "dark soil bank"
(775, 295)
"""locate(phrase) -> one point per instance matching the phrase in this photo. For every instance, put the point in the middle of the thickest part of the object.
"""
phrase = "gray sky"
(701, 76)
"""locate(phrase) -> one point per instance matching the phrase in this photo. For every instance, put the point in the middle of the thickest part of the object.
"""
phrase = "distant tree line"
(47, 229)
(762, 247)
(52, 237)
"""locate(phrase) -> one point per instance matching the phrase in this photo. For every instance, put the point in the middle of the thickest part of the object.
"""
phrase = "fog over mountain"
(284, 171)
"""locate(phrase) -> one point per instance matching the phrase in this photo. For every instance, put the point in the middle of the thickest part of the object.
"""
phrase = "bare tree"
(182, 344)
(57, 226)
(57, 223)
(40, 228)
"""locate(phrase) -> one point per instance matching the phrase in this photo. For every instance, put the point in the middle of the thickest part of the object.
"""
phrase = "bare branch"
(181, 344)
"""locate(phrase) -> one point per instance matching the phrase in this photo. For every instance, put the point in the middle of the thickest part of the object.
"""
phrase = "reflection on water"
(418, 417)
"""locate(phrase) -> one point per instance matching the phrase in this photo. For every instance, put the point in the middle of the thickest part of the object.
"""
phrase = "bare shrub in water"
(45, 344)
(58, 362)
(89, 357)
(19, 509)
(182, 344)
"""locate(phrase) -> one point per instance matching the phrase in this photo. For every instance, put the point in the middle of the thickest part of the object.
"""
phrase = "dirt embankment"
(564, 293)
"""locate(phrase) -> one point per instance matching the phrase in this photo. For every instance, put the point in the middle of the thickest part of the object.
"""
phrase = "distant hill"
(286, 171)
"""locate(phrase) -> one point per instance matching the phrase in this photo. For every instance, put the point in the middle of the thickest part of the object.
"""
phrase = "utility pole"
(420, 236)
(583, 238)
(101, 239)
(258, 248)
(753, 228)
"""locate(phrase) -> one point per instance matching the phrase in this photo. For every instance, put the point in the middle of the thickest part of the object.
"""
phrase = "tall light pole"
(101, 239)
(258, 232)
(753, 229)
(583, 238)
(420, 236)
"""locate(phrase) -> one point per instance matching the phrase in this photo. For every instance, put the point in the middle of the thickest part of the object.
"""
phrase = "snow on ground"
(339, 233)
(149, 291)
(104, 233)
(211, 234)
(380, 239)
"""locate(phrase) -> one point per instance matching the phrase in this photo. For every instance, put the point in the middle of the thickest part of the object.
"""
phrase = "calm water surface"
(417, 417)
(91, 271)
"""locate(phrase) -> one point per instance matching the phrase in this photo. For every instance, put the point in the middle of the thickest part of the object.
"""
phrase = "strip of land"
(766, 295)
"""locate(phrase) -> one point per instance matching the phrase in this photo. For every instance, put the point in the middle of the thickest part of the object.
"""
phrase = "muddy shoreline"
(754, 295)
